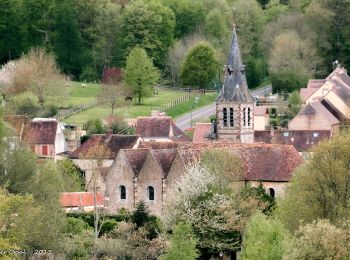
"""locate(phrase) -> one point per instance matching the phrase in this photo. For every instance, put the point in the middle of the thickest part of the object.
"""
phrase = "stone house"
(96, 169)
(314, 117)
(45, 137)
(261, 118)
(150, 173)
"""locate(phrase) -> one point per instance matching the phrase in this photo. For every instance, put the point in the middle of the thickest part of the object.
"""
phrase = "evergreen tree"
(141, 214)
(183, 244)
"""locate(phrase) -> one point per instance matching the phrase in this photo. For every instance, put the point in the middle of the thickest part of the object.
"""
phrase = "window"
(231, 117)
(244, 118)
(44, 150)
(315, 134)
(225, 116)
(248, 116)
(122, 190)
(272, 193)
(285, 134)
(150, 193)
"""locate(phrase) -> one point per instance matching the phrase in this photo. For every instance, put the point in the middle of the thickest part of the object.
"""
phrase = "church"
(235, 104)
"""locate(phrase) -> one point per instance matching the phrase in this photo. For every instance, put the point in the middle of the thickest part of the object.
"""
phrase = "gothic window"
(150, 193)
(244, 117)
(248, 116)
(122, 190)
(225, 116)
(231, 117)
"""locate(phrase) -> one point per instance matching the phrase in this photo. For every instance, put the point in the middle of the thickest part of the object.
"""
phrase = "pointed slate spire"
(235, 88)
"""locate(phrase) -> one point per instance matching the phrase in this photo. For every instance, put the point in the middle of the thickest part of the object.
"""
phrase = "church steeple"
(235, 88)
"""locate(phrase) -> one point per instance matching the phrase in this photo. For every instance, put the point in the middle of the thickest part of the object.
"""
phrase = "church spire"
(235, 87)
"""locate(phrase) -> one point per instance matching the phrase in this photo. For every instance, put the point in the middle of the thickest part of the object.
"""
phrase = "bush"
(24, 103)
(49, 111)
(107, 226)
(94, 126)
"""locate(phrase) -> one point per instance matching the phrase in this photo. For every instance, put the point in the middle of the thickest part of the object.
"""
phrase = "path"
(184, 121)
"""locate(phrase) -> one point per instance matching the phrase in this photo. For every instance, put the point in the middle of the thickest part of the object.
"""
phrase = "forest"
(286, 42)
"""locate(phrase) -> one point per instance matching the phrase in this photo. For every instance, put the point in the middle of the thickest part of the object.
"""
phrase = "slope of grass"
(185, 107)
(131, 111)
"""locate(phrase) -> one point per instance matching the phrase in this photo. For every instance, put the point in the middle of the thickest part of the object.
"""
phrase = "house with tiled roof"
(159, 129)
(80, 201)
(149, 174)
(45, 137)
(95, 169)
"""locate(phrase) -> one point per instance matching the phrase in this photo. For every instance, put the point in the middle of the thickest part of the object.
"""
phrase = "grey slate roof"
(235, 88)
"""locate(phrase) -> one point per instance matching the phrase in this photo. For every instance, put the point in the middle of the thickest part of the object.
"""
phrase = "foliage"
(36, 72)
(78, 246)
(200, 66)
(19, 169)
(287, 81)
(94, 126)
(218, 217)
(183, 244)
(150, 26)
(140, 74)
(319, 240)
(71, 175)
(25, 103)
(74, 226)
(294, 103)
(107, 226)
(116, 123)
(136, 243)
(140, 215)
(112, 95)
(319, 188)
(264, 239)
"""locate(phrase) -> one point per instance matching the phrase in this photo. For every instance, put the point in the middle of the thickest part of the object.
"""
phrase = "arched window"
(244, 117)
(122, 190)
(248, 116)
(150, 193)
(225, 116)
(272, 193)
(231, 117)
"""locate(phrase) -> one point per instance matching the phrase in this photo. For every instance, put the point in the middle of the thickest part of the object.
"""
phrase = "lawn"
(75, 95)
(131, 111)
(186, 106)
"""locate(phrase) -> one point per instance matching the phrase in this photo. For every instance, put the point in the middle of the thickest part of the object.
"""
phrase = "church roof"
(235, 88)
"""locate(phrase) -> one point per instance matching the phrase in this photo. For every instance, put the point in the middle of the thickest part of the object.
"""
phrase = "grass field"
(130, 111)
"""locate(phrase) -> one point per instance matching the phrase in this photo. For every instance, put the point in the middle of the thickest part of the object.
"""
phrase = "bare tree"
(37, 72)
(112, 95)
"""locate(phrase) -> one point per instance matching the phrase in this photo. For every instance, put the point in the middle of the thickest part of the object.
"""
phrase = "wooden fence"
(179, 100)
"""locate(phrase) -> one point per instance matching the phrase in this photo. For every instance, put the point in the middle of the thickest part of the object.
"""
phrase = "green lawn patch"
(185, 107)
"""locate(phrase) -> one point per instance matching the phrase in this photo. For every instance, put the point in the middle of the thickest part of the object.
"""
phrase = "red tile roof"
(164, 158)
(80, 199)
(136, 158)
(200, 131)
(158, 145)
(40, 132)
(113, 142)
(148, 127)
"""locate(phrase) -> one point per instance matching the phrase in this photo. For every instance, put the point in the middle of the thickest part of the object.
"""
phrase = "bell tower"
(235, 104)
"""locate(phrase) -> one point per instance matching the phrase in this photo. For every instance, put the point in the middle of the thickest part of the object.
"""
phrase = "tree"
(141, 214)
(67, 39)
(264, 239)
(25, 103)
(149, 25)
(37, 72)
(292, 62)
(71, 175)
(20, 168)
(216, 27)
(294, 103)
(200, 66)
(112, 95)
(319, 240)
(189, 15)
(183, 244)
(140, 74)
(319, 189)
